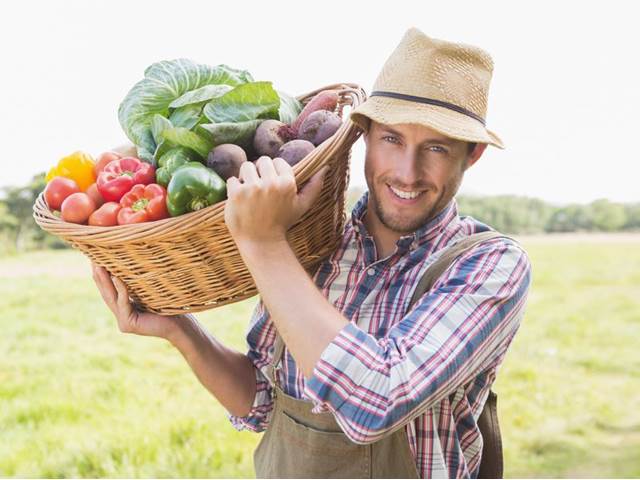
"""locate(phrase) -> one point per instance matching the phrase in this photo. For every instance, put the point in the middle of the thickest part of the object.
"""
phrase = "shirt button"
(371, 272)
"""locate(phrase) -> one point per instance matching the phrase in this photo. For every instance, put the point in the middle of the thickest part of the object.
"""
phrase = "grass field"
(80, 399)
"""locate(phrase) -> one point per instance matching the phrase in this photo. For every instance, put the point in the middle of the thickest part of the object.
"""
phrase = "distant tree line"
(506, 213)
(525, 215)
(18, 231)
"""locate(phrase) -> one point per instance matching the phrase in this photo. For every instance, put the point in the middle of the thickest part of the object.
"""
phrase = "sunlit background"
(80, 399)
(564, 95)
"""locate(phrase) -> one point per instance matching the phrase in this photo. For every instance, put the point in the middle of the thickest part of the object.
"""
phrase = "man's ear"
(475, 154)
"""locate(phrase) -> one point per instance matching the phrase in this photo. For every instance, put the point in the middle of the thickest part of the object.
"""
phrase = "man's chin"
(398, 218)
(402, 224)
(402, 227)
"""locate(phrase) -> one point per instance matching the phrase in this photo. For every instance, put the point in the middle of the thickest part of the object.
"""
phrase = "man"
(347, 378)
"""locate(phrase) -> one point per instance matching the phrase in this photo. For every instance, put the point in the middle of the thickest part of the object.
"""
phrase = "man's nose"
(407, 168)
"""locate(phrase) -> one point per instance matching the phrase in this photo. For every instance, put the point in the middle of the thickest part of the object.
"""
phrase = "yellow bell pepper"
(78, 167)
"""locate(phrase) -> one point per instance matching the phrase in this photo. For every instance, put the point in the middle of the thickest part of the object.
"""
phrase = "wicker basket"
(190, 263)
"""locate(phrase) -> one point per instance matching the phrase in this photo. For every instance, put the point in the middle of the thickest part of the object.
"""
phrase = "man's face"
(412, 172)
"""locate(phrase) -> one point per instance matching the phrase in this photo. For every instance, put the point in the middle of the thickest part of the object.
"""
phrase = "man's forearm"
(229, 375)
(305, 319)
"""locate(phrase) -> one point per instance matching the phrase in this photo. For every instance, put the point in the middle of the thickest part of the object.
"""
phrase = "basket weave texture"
(190, 263)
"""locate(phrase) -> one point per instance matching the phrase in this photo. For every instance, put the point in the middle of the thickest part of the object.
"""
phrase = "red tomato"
(77, 208)
(57, 190)
(103, 160)
(106, 215)
(94, 193)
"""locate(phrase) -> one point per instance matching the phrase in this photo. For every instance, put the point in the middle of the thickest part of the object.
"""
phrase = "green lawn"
(80, 399)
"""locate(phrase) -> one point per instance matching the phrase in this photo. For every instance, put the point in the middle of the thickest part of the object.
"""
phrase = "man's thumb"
(310, 191)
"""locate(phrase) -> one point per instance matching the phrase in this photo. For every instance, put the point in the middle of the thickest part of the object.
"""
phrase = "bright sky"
(565, 96)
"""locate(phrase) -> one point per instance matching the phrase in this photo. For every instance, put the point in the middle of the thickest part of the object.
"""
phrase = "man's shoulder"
(468, 226)
(500, 244)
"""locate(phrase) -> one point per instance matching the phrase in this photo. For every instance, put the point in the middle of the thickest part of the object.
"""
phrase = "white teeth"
(405, 195)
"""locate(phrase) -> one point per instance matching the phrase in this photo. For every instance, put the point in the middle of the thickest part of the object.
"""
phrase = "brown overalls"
(302, 444)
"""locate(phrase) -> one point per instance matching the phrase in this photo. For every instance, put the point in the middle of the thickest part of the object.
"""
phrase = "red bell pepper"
(119, 176)
(144, 203)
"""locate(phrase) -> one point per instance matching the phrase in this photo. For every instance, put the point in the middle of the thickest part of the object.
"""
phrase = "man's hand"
(228, 375)
(115, 295)
(264, 202)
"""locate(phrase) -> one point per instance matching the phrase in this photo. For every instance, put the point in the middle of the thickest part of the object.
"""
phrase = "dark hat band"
(430, 101)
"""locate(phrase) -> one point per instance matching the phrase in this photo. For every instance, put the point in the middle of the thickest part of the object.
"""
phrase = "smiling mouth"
(404, 195)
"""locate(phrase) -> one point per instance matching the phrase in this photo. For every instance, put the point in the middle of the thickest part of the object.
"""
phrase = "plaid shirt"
(389, 361)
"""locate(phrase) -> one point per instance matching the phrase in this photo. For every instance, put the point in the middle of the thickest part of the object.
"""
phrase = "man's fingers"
(266, 168)
(248, 173)
(105, 286)
(124, 303)
(310, 191)
(233, 184)
(115, 294)
(282, 167)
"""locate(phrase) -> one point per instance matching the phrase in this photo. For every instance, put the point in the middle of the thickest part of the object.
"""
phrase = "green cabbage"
(182, 103)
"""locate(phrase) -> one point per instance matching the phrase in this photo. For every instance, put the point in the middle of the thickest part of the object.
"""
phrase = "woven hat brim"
(448, 122)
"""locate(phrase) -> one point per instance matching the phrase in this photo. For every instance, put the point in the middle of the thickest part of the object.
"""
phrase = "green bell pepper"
(169, 163)
(192, 187)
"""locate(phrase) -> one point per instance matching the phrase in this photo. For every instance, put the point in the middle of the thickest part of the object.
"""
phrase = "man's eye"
(391, 139)
(438, 149)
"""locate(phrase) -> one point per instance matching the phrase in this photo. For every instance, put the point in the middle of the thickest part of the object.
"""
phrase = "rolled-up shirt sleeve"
(460, 328)
(260, 338)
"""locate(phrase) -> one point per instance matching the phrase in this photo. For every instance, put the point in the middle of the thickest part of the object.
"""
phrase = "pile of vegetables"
(193, 126)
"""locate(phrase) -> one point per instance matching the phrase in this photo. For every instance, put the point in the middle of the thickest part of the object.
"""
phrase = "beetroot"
(270, 136)
(226, 159)
(319, 126)
(295, 150)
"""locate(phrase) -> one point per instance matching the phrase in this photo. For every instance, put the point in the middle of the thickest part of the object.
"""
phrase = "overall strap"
(447, 258)
(491, 463)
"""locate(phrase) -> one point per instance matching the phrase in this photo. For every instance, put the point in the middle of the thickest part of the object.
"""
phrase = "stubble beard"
(394, 222)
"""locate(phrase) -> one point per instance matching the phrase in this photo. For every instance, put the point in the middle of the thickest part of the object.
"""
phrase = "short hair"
(470, 147)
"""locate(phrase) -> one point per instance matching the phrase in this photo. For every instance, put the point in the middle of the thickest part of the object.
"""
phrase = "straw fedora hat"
(435, 83)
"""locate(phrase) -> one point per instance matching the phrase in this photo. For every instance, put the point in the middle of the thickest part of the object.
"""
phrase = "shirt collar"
(423, 234)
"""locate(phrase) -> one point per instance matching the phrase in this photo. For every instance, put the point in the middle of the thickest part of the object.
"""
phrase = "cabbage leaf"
(163, 83)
